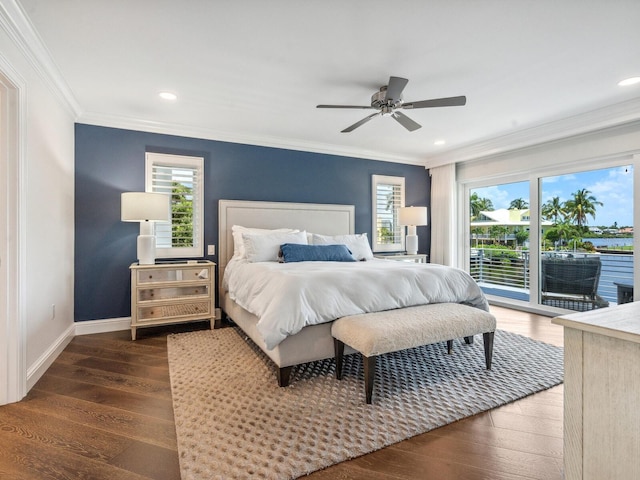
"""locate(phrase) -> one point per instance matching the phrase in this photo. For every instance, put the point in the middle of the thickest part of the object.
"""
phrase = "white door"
(3, 275)
(12, 339)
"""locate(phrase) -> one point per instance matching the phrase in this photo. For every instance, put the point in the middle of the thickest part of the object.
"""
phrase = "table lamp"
(412, 217)
(146, 208)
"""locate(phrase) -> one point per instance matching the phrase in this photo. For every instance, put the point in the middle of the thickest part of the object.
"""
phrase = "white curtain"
(443, 215)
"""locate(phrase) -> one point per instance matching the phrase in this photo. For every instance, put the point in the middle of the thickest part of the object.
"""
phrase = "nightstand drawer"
(154, 275)
(165, 293)
(173, 310)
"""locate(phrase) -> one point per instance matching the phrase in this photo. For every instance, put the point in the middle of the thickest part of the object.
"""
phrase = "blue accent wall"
(109, 161)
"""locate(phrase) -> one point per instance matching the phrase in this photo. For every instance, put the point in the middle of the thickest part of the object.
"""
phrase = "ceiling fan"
(389, 101)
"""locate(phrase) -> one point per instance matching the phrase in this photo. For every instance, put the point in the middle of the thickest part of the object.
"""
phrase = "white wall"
(47, 144)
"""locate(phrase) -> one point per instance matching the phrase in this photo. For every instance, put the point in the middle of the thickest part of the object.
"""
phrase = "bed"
(313, 341)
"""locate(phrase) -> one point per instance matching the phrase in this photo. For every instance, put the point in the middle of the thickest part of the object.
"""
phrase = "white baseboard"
(103, 326)
(77, 328)
(113, 324)
(35, 371)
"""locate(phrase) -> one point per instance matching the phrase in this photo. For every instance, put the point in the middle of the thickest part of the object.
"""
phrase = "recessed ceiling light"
(629, 81)
(168, 96)
(439, 142)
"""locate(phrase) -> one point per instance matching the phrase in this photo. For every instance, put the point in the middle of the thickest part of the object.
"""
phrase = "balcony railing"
(508, 271)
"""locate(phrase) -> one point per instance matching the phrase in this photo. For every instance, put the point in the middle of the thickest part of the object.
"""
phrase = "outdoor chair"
(571, 283)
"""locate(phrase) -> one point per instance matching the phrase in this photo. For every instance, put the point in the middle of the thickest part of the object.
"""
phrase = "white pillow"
(238, 243)
(358, 244)
(265, 247)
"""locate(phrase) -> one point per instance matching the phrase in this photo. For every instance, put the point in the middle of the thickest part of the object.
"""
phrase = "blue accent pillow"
(295, 252)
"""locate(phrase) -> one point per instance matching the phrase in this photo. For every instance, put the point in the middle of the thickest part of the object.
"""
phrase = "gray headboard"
(326, 219)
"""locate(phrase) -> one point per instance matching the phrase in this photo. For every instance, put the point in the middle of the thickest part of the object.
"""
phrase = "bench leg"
(339, 349)
(449, 346)
(488, 348)
(284, 374)
(369, 376)
(468, 340)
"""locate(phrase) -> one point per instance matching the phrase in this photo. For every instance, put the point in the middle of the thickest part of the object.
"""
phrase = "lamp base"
(411, 244)
(146, 249)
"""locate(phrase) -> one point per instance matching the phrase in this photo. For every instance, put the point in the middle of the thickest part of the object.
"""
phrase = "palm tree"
(518, 204)
(479, 205)
(564, 231)
(582, 204)
(553, 209)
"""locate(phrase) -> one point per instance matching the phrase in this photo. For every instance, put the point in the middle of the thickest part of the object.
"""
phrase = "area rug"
(233, 421)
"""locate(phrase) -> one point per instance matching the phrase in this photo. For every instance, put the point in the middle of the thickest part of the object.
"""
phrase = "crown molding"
(14, 21)
(587, 122)
(127, 123)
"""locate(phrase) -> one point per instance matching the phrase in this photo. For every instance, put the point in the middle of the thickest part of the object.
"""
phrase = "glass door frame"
(534, 177)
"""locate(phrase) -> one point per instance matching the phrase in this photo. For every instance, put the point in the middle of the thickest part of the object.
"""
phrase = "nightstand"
(404, 257)
(175, 292)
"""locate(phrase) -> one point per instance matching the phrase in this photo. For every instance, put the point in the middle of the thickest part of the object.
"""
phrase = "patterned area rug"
(233, 421)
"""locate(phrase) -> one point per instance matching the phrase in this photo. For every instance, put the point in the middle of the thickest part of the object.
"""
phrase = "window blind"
(182, 183)
(389, 197)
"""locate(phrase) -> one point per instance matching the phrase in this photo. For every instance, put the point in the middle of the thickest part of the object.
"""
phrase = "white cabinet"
(601, 391)
(168, 293)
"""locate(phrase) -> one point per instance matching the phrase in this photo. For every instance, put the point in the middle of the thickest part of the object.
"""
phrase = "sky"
(611, 186)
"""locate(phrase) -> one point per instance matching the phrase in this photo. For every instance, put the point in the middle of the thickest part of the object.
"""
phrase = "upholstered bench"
(373, 334)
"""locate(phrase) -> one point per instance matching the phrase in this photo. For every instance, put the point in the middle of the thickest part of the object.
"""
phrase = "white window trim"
(375, 181)
(198, 217)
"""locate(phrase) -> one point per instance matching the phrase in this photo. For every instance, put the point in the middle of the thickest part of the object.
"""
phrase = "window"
(586, 242)
(388, 196)
(499, 239)
(182, 178)
(562, 239)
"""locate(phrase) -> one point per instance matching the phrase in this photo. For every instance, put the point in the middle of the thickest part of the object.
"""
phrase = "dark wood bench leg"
(339, 349)
(449, 346)
(488, 348)
(468, 340)
(369, 376)
(284, 374)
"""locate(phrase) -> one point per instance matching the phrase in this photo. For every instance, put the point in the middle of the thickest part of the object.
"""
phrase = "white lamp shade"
(145, 206)
(412, 216)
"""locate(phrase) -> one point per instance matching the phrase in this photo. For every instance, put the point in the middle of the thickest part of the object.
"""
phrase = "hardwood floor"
(103, 411)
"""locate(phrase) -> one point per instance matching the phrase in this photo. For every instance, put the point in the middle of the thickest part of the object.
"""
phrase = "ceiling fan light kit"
(388, 100)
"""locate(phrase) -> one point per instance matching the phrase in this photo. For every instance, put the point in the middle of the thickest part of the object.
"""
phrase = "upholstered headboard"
(325, 219)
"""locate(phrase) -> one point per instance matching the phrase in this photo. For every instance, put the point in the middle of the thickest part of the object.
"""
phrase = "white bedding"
(286, 297)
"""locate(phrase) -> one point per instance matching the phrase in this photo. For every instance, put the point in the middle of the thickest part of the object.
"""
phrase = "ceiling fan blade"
(438, 102)
(360, 123)
(344, 106)
(395, 88)
(405, 121)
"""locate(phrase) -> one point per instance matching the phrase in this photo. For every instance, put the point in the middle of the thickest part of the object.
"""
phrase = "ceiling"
(253, 71)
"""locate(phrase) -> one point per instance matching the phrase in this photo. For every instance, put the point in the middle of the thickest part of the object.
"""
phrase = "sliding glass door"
(556, 241)
(499, 233)
(586, 246)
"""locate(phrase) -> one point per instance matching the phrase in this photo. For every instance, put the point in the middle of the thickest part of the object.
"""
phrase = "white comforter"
(287, 297)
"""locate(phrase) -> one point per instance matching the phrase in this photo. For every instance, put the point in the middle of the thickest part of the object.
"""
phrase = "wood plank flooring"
(103, 411)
